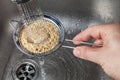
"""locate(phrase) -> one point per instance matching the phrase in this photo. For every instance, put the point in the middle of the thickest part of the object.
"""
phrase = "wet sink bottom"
(75, 15)
(62, 65)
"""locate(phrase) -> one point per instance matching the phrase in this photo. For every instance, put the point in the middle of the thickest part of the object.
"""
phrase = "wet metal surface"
(75, 15)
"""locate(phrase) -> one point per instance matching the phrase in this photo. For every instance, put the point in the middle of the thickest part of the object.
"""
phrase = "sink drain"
(25, 71)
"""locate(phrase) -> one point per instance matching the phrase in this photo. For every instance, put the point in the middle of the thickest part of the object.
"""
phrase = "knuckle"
(91, 27)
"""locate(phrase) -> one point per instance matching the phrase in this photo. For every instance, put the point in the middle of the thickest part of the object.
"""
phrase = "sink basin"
(75, 15)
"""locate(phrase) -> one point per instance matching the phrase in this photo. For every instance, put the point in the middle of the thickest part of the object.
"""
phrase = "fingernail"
(76, 42)
(76, 52)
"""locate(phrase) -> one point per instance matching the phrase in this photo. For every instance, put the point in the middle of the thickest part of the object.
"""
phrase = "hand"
(107, 56)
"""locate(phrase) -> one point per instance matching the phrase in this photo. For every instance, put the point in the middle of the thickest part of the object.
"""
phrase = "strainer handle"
(13, 23)
(81, 44)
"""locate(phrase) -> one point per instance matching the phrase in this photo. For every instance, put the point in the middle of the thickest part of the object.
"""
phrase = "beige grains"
(40, 36)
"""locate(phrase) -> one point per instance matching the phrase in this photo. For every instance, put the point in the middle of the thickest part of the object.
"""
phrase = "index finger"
(89, 33)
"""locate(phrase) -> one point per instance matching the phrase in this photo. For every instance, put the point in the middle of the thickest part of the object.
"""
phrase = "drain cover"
(26, 72)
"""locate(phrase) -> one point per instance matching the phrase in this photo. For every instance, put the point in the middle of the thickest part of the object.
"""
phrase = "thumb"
(88, 53)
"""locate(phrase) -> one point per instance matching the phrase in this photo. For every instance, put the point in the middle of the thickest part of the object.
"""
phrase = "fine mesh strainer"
(21, 25)
(31, 12)
(59, 26)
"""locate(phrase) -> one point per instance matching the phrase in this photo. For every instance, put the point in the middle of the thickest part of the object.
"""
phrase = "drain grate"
(25, 69)
(26, 72)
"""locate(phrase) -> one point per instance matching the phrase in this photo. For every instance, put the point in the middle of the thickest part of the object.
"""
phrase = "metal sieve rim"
(46, 17)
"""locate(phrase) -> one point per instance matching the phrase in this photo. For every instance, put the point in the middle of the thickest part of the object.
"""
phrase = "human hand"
(107, 56)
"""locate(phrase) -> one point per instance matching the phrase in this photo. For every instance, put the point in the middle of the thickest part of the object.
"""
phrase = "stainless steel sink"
(75, 15)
